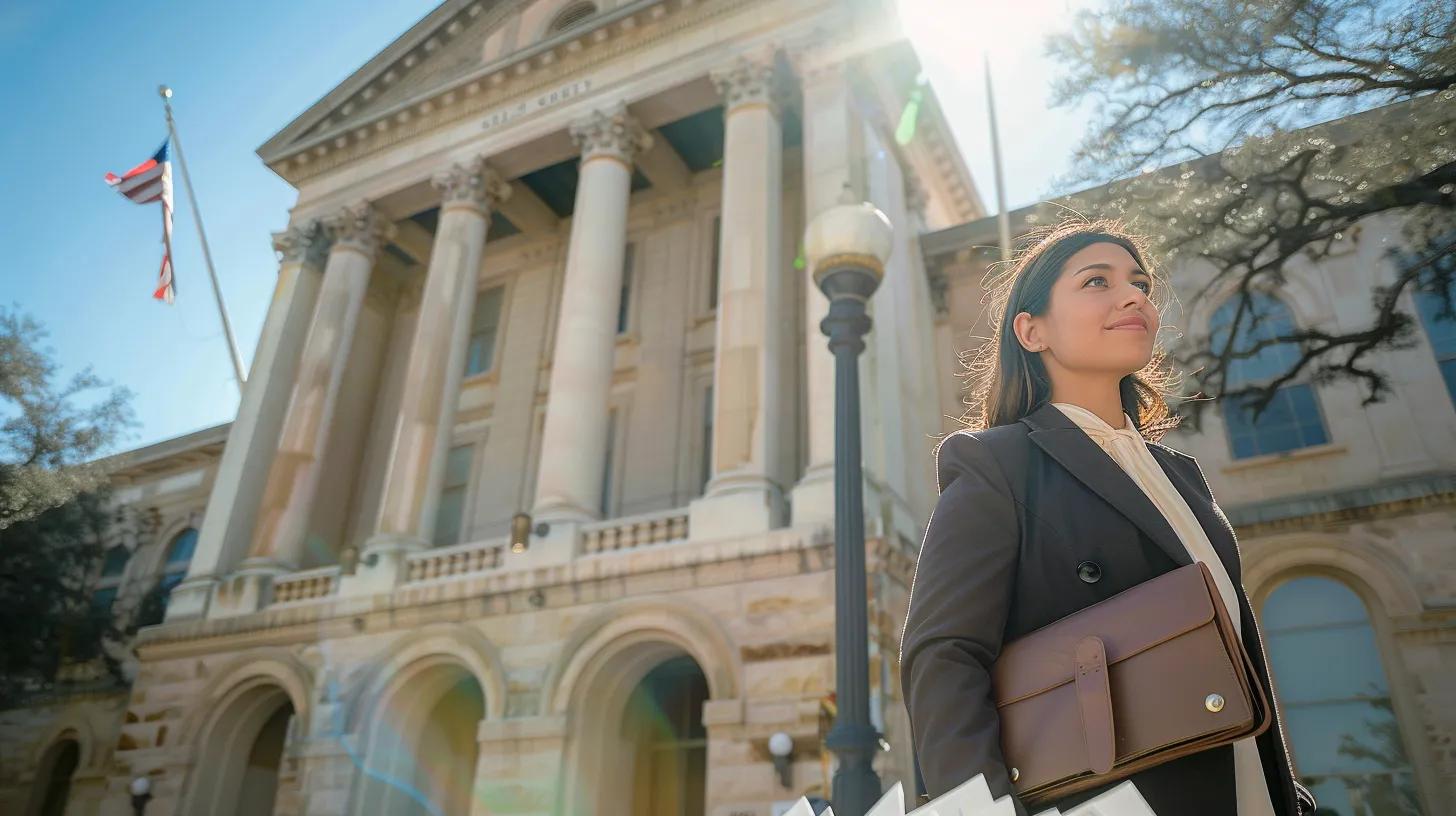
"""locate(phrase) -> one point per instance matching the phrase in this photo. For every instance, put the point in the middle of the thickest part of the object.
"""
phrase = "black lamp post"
(849, 244)
(141, 793)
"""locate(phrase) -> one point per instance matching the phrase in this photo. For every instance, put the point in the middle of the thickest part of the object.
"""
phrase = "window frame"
(1285, 391)
(627, 292)
(500, 325)
(1405, 709)
(710, 229)
(1418, 301)
(466, 492)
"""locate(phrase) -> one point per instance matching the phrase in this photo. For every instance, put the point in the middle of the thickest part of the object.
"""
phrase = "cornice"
(513, 78)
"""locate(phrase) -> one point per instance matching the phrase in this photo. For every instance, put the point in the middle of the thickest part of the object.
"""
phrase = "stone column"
(574, 440)
(745, 493)
(227, 524)
(831, 160)
(358, 232)
(437, 358)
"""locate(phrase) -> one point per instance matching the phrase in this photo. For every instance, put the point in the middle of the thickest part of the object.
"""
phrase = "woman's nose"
(1134, 296)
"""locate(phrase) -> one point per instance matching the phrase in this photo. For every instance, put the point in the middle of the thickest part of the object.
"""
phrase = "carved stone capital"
(305, 243)
(359, 227)
(749, 80)
(611, 133)
(472, 184)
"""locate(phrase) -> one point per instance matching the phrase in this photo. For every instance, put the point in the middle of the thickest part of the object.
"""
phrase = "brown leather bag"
(1149, 675)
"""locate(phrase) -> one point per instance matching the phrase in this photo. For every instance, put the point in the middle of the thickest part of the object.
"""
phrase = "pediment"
(445, 46)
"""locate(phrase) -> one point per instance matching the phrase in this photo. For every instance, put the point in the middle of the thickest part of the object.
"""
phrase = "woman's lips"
(1134, 325)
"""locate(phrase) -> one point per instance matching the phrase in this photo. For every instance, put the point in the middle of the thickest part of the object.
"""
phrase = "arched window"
(108, 584)
(1336, 700)
(179, 556)
(572, 16)
(114, 564)
(1292, 420)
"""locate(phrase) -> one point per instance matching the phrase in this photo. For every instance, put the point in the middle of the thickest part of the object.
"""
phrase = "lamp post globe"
(141, 793)
(847, 247)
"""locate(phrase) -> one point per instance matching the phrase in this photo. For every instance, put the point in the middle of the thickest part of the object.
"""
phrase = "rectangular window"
(624, 303)
(451, 511)
(1440, 328)
(705, 467)
(715, 262)
(606, 499)
(1291, 421)
(480, 355)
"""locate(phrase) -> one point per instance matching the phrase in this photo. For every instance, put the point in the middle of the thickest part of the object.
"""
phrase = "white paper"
(973, 798)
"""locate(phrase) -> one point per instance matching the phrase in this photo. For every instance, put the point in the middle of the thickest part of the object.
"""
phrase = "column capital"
(359, 227)
(303, 243)
(610, 133)
(814, 64)
(749, 80)
(471, 184)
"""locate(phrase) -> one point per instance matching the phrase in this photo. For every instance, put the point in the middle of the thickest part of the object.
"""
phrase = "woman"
(1074, 388)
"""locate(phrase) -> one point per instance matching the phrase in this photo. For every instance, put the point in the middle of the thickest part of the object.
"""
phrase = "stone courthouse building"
(545, 259)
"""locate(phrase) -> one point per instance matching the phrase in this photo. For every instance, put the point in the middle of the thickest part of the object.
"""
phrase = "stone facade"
(544, 259)
(630, 193)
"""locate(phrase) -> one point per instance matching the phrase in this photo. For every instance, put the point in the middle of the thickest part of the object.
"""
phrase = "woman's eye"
(1147, 287)
(1089, 281)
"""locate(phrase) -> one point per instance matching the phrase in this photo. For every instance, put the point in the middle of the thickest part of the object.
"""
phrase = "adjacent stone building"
(545, 259)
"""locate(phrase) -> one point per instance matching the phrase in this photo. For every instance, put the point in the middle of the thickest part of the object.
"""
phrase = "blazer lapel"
(1220, 534)
(1060, 437)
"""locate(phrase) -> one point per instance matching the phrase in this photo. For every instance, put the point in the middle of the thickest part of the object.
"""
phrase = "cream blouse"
(1128, 449)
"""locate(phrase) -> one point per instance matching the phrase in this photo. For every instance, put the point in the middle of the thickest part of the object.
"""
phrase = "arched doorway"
(638, 746)
(240, 766)
(664, 722)
(423, 746)
(53, 781)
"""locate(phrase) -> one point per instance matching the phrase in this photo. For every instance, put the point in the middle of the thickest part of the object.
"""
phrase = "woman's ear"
(1027, 331)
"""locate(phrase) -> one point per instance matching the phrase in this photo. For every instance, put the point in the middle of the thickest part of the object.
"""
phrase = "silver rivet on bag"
(1015, 774)
(1213, 702)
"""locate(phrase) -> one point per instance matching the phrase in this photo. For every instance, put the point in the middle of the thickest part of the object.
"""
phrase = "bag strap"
(1094, 699)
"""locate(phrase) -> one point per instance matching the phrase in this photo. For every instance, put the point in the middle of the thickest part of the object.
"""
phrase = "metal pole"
(853, 738)
(1003, 218)
(227, 326)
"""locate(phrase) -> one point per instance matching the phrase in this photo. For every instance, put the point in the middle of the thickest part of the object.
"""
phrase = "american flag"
(147, 182)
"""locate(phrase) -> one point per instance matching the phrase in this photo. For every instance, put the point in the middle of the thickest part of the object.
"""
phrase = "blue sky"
(82, 100)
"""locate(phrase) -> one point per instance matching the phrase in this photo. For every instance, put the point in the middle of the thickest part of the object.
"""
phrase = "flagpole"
(227, 326)
(1003, 218)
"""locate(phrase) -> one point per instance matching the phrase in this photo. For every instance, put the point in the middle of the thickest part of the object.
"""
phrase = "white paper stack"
(973, 798)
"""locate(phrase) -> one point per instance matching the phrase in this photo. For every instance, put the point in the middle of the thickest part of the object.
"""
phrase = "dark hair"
(1007, 382)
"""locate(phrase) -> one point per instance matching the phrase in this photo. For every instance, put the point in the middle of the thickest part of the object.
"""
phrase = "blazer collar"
(1060, 437)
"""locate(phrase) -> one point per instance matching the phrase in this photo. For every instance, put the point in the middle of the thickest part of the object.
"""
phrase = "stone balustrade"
(306, 585)
(454, 562)
(637, 531)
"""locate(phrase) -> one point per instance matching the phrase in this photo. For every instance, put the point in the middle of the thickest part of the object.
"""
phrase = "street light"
(141, 794)
(848, 245)
(781, 748)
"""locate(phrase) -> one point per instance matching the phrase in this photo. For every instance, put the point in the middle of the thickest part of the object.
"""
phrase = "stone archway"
(610, 711)
(240, 766)
(663, 721)
(422, 742)
(52, 789)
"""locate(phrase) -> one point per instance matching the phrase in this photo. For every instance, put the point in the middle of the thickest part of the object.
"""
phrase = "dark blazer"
(992, 569)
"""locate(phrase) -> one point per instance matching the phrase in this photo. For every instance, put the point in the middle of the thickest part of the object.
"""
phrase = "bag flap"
(1128, 623)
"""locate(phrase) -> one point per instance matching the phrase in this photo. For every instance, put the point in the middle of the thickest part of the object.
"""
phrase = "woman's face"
(1099, 318)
